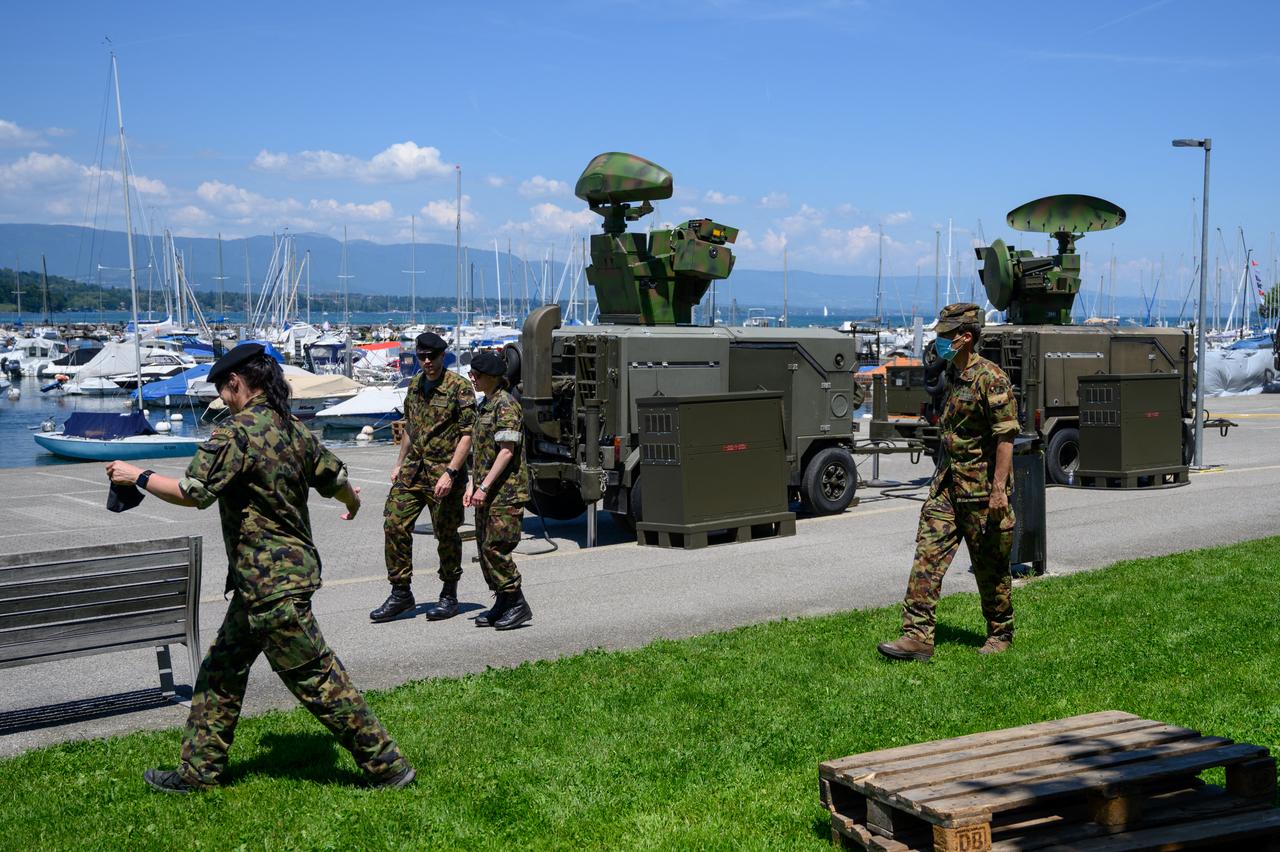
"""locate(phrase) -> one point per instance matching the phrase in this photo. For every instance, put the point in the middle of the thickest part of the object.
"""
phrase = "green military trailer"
(1044, 355)
(580, 385)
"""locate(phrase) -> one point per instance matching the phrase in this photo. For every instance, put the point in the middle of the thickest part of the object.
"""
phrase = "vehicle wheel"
(1188, 443)
(829, 482)
(1062, 456)
(563, 505)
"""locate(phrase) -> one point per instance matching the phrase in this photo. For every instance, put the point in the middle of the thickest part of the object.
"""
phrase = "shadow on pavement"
(69, 712)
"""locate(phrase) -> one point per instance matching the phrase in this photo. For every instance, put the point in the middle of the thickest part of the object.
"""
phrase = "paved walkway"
(618, 595)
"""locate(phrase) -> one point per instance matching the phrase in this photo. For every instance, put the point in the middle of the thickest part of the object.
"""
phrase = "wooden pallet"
(1169, 478)
(1103, 781)
(692, 538)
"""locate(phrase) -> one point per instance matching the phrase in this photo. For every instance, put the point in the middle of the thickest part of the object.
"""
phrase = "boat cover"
(1237, 372)
(106, 425)
(174, 385)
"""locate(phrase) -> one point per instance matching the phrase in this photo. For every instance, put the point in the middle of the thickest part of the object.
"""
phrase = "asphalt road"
(618, 595)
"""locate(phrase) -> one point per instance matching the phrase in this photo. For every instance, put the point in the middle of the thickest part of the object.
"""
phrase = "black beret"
(237, 357)
(431, 342)
(489, 363)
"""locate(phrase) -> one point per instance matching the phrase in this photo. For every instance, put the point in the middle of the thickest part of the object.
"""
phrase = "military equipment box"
(1131, 430)
(719, 462)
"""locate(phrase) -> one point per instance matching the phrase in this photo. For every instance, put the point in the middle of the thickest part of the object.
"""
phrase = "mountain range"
(77, 252)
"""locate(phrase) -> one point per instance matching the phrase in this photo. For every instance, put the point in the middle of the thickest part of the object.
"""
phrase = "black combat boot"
(400, 601)
(447, 606)
(169, 781)
(500, 604)
(516, 613)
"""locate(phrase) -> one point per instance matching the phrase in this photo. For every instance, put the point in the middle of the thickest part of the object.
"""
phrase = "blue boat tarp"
(268, 348)
(105, 425)
(174, 385)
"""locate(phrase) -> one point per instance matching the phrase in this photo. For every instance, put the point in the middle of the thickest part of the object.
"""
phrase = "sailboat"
(99, 436)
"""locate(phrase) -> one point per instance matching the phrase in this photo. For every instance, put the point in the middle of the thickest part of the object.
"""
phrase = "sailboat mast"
(457, 264)
(128, 227)
(44, 284)
(784, 284)
(880, 278)
(413, 270)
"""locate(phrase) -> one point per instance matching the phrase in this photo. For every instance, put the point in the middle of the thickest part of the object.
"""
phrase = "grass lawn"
(708, 742)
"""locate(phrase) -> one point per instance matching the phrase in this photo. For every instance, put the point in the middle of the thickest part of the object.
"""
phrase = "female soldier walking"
(498, 491)
(258, 468)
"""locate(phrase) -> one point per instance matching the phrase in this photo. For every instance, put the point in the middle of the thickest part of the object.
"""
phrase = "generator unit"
(1131, 430)
(718, 462)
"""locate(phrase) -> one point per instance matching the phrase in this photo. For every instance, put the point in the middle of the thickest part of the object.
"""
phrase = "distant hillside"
(76, 252)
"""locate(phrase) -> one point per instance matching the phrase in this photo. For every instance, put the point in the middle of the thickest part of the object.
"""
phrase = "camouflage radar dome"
(617, 178)
(1072, 214)
(1042, 290)
(654, 278)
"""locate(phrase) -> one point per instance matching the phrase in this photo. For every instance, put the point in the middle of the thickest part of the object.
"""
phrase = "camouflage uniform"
(259, 470)
(979, 412)
(436, 421)
(499, 520)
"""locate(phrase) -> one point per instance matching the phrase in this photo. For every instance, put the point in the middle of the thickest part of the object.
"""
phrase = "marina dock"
(617, 596)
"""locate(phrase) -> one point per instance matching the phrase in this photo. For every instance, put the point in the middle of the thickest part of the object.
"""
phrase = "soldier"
(969, 493)
(498, 490)
(258, 468)
(439, 410)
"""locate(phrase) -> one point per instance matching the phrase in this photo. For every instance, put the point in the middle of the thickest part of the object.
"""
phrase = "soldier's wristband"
(453, 474)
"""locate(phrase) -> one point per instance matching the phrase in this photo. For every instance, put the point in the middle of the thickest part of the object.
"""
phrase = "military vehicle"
(1043, 353)
(579, 385)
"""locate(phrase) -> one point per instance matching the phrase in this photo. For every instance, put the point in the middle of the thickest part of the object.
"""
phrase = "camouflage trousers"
(286, 632)
(498, 531)
(404, 504)
(989, 538)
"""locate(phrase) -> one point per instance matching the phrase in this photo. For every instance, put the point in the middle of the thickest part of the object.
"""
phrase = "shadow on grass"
(300, 756)
(946, 634)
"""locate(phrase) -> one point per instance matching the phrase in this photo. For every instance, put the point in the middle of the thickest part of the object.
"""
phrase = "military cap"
(961, 313)
(489, 363)
(233, 360)
(429, 341)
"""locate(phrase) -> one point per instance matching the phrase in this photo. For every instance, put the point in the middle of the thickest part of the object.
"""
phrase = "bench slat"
(42, 596)
(124, 602)
(78, 568)
(90, 626)
(95, 551)
(16, 593)
(119, 640)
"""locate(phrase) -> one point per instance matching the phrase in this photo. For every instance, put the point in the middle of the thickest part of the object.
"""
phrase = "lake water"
(21, 418)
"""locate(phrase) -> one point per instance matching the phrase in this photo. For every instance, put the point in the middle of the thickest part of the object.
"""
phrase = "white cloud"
(398, 163)
(773, 242)
(540, 187)
(496, 181)
(716, 197)
(849, 244)
(551, 220)
(378, 211)
(846, 209)
(14, 136)
(806, 218)
(444, 212)
(249, 209)
(898, 218)
(51, 172)
(775, 201)
(687, 211)
(191, 216)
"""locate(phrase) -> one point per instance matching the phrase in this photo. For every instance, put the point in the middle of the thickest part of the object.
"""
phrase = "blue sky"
(808, 123)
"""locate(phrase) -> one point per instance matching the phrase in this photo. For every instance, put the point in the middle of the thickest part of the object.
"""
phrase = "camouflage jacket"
(979, 412)
(436, 421)
(258, 470)
(499, 420)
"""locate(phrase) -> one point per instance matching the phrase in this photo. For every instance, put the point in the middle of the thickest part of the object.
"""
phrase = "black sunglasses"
(430, 356)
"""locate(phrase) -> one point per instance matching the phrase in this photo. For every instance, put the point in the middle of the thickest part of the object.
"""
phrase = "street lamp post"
(1207, 144)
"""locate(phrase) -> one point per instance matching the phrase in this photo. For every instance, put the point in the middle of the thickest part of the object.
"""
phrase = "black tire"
(1062, 456)
(829, 482)
(562, 505)
(511, 354)
(1188, 442)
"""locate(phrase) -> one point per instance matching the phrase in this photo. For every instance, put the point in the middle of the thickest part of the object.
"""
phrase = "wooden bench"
(79, 601)
(1102, 781)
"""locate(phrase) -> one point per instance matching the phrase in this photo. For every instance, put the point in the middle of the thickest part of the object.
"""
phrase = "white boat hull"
(110, 449)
